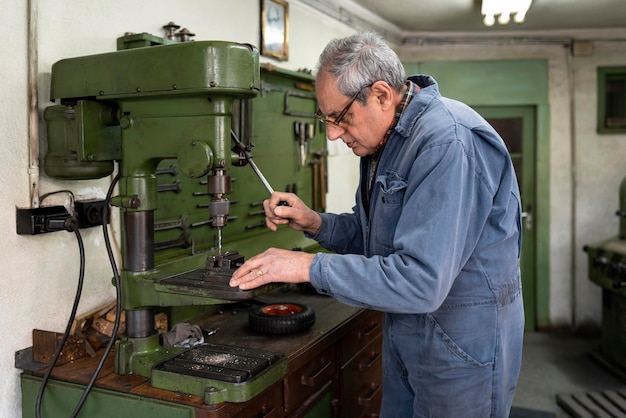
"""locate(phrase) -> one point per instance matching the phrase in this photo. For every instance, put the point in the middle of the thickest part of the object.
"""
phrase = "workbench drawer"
(360, 381)
(306, 381)
(368, 326)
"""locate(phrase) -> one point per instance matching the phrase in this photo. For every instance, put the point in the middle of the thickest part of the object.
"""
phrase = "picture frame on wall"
(275, 29)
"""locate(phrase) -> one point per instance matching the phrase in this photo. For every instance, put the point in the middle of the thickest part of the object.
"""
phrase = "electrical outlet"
(90, 212)
(33, 221)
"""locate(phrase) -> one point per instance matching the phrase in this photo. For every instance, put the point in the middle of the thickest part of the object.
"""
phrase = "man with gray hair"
(433, 241)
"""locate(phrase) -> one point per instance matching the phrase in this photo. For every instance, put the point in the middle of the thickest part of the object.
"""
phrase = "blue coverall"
(436, 246)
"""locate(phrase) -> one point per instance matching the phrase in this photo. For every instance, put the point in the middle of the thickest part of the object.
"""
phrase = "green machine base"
(220, 373)
(216, 373)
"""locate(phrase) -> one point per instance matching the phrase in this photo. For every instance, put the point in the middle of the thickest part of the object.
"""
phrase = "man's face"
(361, 127)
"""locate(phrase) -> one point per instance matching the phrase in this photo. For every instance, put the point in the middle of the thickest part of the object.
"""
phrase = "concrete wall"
(40, 279)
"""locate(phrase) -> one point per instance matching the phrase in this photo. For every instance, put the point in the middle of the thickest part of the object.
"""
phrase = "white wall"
(39, 283)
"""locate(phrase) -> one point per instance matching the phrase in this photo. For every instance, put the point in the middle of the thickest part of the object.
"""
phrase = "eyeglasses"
(324, 119)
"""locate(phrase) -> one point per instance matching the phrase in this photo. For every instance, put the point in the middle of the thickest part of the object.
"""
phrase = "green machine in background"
(607, 269)
(165, 114)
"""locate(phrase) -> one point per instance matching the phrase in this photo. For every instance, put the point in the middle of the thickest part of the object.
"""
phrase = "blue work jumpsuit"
(435, 246)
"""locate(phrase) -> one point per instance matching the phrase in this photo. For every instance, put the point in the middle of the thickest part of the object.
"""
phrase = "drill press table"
(314, 382)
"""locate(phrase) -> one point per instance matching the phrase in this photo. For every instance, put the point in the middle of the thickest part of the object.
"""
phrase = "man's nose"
(334, 132)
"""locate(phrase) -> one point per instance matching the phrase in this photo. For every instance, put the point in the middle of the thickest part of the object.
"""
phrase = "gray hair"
(358, 61)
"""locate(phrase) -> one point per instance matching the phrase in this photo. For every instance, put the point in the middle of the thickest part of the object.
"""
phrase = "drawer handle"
(268, 413)
(365, 335)
(317, 377)
(366, 400)
(369, 363)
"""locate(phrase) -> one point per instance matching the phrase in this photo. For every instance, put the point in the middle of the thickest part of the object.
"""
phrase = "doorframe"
(528, 187)
(509, 83)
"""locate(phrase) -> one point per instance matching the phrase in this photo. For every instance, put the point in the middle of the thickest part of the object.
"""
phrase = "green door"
(516, 125)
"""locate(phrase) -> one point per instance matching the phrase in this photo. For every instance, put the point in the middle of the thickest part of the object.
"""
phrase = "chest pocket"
(392, 187)
(389, 192)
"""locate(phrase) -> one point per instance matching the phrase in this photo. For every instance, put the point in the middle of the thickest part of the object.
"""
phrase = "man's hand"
(297, 215)
(273, 266)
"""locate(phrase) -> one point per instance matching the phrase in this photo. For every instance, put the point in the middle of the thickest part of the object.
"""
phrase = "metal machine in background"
(607, 269)
(167, 112)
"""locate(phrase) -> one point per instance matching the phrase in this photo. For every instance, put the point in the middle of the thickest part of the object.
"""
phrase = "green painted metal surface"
(506, 82)
(611, 100)
(214, 67)
(84, 140)
(215, 391)
(60, 399)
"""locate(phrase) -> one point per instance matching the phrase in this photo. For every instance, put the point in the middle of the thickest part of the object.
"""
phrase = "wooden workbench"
(334, 367)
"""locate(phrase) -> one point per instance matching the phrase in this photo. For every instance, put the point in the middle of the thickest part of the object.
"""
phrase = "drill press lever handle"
(256, 170)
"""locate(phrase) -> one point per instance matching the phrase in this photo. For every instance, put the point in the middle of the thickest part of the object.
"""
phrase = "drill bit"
(219, 241)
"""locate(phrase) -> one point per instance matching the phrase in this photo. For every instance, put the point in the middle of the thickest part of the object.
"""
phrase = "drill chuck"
(219, 209)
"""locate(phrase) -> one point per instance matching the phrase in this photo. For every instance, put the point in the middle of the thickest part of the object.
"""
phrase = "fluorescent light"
(504, 10)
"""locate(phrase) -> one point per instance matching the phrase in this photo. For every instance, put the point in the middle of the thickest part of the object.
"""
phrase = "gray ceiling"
(464, 15)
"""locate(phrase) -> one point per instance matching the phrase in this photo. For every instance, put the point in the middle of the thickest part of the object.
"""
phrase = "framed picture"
(275, 29)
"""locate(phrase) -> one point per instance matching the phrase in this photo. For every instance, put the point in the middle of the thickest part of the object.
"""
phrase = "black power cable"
(118, 299)
(72, 225)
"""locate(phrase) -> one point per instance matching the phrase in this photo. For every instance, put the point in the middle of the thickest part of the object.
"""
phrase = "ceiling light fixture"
(504, 9)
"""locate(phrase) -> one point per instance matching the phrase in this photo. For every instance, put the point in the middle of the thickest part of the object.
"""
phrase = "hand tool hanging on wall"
(303, 131)
(321, 155)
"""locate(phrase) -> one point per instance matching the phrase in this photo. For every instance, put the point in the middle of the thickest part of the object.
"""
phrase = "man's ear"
(384, 95)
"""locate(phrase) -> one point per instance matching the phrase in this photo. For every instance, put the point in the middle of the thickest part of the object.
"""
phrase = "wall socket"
(34, 221)
(90, 212)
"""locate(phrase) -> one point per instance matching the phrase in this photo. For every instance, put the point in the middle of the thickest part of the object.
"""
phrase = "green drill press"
(138, 107)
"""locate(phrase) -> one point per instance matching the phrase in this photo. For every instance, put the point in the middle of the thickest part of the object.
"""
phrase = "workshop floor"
(561, 363)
